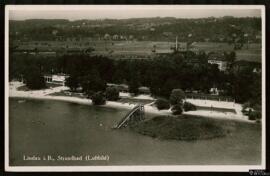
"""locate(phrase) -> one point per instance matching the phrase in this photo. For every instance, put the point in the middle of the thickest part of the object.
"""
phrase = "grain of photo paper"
(134, 88)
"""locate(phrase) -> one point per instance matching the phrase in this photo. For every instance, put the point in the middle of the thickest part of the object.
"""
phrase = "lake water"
(55, 128)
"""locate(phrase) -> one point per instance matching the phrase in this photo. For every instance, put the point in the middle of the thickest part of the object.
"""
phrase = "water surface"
(45, 127)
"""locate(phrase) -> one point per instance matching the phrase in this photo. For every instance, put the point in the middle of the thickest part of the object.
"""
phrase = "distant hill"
(156, 29)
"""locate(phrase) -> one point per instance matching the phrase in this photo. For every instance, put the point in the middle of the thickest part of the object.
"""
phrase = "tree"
(98, 98)
(177, 109)
(245, 85)
(189, 106)
(134, 87)
(230, 58)
(112, 93)
(89, 50)
(236, 37)
(177, 96)
(162, 104)
(254, 115)
(167, 88)
(72, 82)
(133, 84)
(34, 79)
(92, 83)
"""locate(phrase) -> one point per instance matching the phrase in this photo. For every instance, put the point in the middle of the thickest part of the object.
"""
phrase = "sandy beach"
(45, 94)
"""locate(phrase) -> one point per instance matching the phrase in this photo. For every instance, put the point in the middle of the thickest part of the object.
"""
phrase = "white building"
(107, 37)
(115, 37)
(219, 60)
(222, 65)
(59, 79)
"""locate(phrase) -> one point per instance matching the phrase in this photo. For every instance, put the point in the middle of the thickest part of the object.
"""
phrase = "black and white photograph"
(134, 87)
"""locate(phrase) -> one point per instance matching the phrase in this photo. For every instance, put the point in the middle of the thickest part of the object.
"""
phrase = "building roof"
(57, 74)
(217, 56)
(144, 88)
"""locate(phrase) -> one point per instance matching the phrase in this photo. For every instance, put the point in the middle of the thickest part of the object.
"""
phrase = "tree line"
(186, 71)
(162, 29)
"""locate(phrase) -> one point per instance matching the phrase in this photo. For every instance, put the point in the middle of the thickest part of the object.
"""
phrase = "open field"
(251, 52)
(140, 49)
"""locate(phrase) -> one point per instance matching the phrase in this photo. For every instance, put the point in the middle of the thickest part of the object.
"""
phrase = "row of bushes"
(176, 101)
(253, 111)
(99, 98)
(254, 115)
(162, 103)
(189, 107)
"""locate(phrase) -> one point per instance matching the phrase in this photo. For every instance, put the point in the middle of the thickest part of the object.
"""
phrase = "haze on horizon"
(126, 12)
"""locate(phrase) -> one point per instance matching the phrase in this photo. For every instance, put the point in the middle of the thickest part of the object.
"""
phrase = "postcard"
(134, 88)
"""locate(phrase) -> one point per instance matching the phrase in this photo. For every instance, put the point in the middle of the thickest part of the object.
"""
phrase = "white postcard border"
(155, 168)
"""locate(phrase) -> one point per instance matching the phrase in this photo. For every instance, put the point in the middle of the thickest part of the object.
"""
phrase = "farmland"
(251, 52)
(139, 49)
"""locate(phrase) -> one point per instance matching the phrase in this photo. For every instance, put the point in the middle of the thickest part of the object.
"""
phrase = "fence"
(209, 97)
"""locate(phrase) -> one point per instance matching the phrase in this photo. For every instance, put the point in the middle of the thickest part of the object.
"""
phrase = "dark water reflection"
(55, 128)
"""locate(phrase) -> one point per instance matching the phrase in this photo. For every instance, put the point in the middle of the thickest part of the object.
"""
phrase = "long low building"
(59, 78)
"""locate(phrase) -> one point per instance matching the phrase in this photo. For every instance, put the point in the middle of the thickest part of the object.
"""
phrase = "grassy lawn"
(184, 127)
(250, 53)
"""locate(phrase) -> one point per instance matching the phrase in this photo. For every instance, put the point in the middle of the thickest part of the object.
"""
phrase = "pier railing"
(133, 116)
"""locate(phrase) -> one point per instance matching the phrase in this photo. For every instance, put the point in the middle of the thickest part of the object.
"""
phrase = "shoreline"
(109, 104)
(45, 95)
(81, 101)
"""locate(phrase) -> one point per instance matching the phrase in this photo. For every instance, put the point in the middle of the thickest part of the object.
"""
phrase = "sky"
(124, 12)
